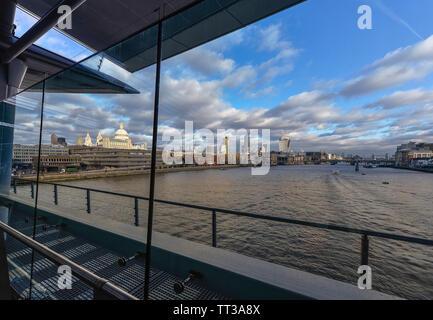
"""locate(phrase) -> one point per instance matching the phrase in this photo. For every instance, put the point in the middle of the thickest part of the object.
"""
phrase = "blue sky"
(308, 71)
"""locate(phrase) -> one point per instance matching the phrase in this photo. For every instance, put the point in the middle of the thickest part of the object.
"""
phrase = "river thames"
(311, 193)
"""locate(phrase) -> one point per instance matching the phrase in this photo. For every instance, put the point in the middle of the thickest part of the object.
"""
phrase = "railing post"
(364, 249)
(55, 195)
(136, 211)
(214, 240)
(5, 288)
(32, 186)
(15, 185)
(88, 201)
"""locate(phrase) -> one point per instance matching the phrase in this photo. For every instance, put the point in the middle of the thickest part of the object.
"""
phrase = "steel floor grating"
(101, 261)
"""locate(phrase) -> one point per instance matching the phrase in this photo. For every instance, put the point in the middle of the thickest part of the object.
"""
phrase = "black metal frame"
(148, 252)
(35, 210)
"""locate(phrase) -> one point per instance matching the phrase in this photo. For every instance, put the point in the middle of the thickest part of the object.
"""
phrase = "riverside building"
(121, 140)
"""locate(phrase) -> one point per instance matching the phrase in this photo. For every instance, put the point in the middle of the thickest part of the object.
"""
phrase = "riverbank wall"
(428, 170)
(83, 175)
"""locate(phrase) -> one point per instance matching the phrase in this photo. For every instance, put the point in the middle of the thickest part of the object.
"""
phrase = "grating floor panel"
(101, 261)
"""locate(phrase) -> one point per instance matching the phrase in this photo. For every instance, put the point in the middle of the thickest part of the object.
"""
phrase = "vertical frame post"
(5, 288)
(136, 211)
(364, 249)
(38, 169)
(55, 195)
(153, 165)
(88, 200)
(214, 230)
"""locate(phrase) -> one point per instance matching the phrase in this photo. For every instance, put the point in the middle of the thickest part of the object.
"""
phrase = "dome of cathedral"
(121, 133)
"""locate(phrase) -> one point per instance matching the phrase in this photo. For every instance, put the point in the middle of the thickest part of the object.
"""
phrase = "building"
(58, 141)
(88, 141)
(57, 162)
(225, 151)
(421, 163)
(24, 154)
(284, 144)
(245, 147)
(100, 158)
(79, 141)
(287, 158)
(333, 156)
(121, 140)
(274, 158)
(420, 154)
(315, 157)
(412, 150)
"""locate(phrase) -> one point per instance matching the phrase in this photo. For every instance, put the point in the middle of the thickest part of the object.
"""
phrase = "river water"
(312, 193)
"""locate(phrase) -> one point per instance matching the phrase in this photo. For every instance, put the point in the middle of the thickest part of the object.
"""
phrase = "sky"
(308, 71)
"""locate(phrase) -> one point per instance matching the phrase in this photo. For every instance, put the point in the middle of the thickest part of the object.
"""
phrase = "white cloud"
(403, 98)
(301, 100)
(240, 76)
(270, 39)
(207, 62)
(313, 118)
(396, 68)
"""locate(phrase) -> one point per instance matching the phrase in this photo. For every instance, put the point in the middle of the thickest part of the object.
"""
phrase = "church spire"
(88, 140)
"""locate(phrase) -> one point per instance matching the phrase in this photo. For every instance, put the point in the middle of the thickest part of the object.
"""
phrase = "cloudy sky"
(308, 71)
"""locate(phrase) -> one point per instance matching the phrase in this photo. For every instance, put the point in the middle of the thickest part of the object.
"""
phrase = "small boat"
(336, 172)
(385, 182)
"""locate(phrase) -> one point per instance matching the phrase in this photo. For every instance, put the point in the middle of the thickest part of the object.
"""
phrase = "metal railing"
(365, 234)
(102, 288)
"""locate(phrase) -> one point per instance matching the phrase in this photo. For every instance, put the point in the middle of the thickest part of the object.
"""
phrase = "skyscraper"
(245, 148)
(284, 144)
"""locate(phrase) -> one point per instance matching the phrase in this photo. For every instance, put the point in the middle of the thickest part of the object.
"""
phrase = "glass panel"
(20, 127)
(199, 24)
(291, 77)
(96, 183)
(53, 40)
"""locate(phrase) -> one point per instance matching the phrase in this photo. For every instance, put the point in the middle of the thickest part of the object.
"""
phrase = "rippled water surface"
(312, 193)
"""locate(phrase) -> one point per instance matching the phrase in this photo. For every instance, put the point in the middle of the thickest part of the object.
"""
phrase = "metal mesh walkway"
(100, 261)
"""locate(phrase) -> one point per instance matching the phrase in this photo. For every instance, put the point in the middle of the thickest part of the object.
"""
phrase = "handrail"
(101, 286)
(256, 216)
